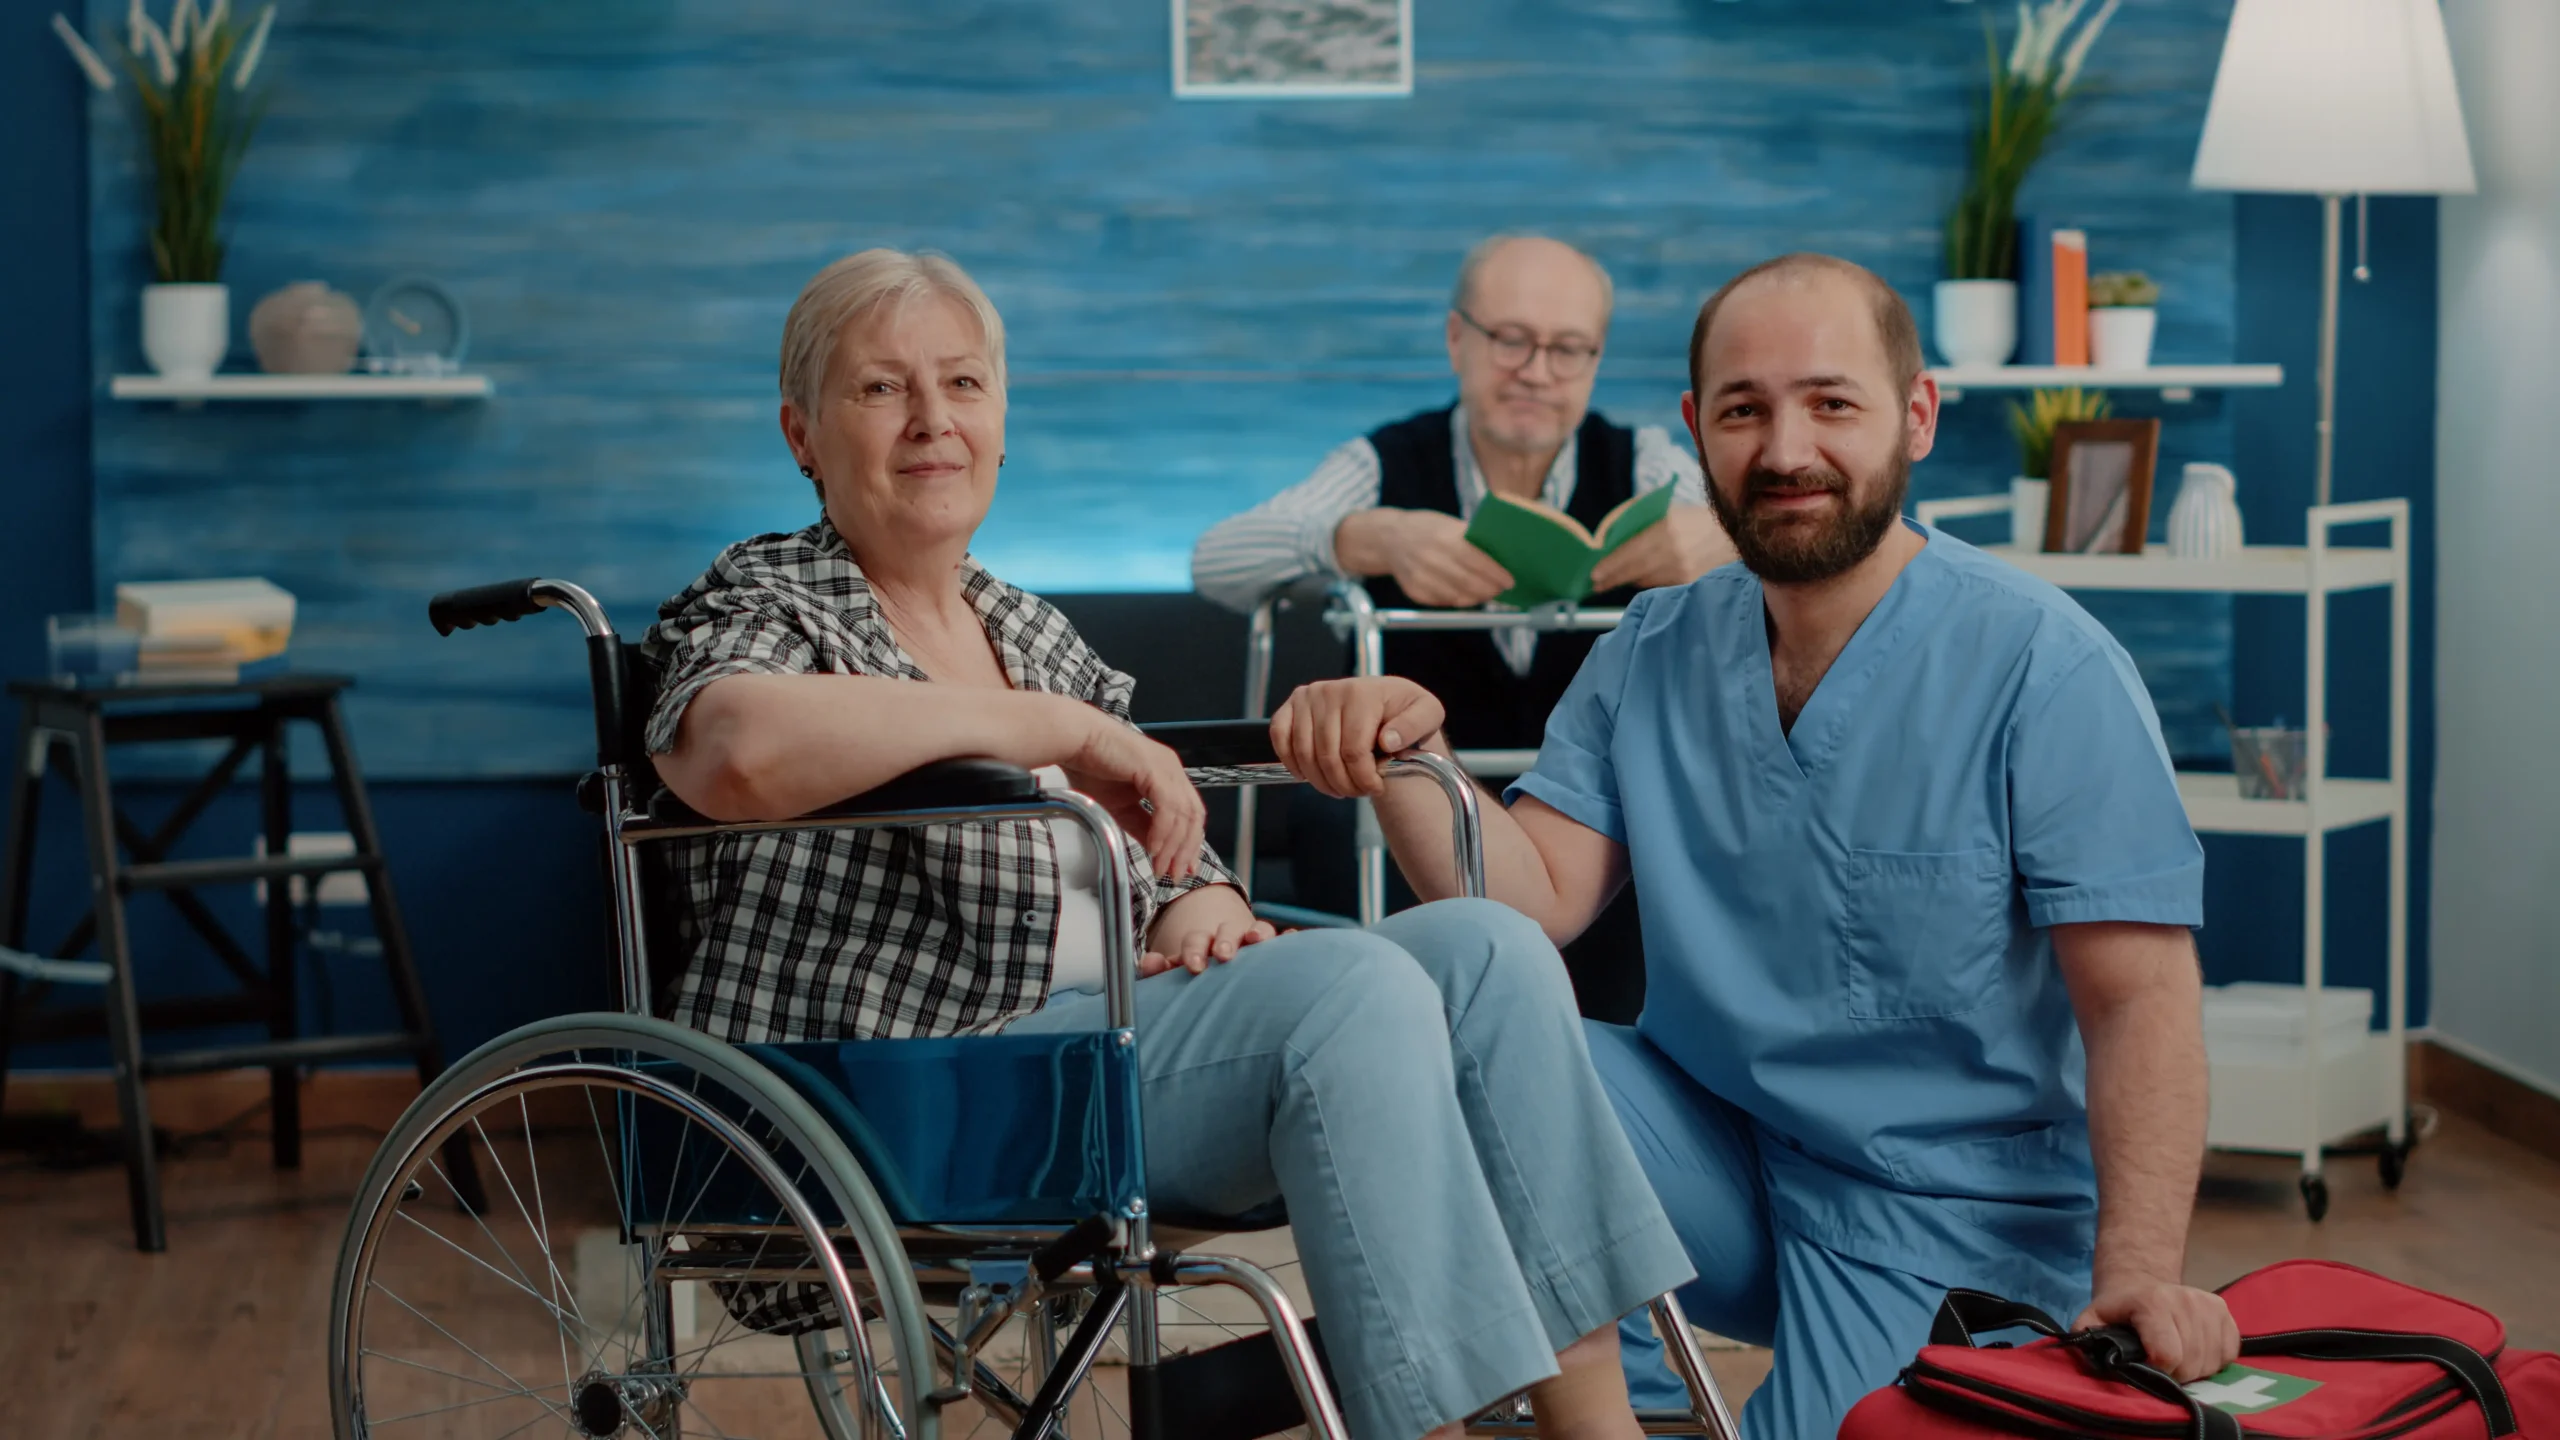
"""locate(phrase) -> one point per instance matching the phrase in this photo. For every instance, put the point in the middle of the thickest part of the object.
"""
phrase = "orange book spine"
(2070, 297)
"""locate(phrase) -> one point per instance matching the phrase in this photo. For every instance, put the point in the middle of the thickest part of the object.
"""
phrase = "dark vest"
(1490, 708)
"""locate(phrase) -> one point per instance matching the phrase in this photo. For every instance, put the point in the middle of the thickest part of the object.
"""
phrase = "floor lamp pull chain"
(2364, 272)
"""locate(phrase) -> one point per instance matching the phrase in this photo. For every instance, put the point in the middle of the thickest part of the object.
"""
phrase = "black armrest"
(1216, 742)
(942, 785)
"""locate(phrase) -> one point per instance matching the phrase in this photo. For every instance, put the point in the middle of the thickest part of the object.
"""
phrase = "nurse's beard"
(1795, 549)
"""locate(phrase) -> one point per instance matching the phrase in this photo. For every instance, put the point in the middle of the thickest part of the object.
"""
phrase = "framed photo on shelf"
(2101, 500)
(1292, 49)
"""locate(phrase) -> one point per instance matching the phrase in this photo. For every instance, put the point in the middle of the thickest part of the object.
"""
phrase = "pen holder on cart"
(2268, 761)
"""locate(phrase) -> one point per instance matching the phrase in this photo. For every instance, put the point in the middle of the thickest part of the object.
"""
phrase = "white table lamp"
(2335, 98)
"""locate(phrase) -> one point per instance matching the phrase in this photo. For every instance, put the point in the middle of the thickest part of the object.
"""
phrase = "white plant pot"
(2120, 336)
(1976, 321)
(2027, 501)
(186, 329)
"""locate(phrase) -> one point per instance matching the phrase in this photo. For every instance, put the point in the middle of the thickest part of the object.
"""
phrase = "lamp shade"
(2335, 97)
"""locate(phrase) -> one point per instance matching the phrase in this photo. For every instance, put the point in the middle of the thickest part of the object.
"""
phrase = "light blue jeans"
(1464, 1202)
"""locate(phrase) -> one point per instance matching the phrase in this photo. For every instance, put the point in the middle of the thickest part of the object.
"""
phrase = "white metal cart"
(2323, 1097)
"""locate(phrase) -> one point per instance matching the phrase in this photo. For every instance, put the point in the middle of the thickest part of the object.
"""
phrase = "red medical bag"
(2328, 1352)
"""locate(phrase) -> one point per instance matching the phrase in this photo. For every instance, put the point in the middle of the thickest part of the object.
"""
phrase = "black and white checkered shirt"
(867, 933)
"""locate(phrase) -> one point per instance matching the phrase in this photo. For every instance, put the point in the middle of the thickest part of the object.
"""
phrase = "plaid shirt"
(867, 934)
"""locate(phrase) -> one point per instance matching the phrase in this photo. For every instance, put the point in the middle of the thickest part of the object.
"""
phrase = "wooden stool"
(73, 727)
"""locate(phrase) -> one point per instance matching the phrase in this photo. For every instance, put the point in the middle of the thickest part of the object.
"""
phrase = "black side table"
(73, 727)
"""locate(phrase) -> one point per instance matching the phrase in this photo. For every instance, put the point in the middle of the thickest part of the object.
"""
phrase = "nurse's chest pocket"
(1924, 935)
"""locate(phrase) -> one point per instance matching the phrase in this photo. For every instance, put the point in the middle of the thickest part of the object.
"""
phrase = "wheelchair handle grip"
(483, 605)
(1091, 1236)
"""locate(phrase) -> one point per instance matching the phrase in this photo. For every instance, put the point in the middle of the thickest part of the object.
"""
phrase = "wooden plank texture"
(1202, 298)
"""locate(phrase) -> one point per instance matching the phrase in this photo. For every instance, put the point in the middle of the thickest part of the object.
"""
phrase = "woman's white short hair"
(859, 284)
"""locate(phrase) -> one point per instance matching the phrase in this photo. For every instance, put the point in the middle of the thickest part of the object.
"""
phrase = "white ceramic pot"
(2120, 336)
(306, 328)
(186, 329)
(2027, 499)
(1976, 321)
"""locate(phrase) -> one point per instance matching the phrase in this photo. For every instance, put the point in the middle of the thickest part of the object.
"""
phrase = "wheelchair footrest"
(1236, 1391)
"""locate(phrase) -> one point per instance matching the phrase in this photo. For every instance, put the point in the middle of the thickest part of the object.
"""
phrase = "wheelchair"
(861, 1240)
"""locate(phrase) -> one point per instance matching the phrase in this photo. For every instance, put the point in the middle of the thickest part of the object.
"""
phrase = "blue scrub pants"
(1841, 1327)
(1463, 1200)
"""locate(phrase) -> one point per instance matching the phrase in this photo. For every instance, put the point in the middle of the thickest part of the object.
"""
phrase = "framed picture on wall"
(2101, 500)
(1292, 49)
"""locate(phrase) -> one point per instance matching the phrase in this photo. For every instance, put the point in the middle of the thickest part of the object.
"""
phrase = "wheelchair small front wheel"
(665, 1220)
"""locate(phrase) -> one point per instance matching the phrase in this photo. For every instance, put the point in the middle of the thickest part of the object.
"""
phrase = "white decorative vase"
(2027, 499)
(1976, 321)
(2204, 524)
(2120, 336)
(186, 329)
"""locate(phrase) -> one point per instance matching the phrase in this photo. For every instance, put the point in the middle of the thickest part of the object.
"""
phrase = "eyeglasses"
(1514, 348)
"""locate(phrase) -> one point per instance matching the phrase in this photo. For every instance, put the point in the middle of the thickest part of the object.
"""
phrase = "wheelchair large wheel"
(669, 1225)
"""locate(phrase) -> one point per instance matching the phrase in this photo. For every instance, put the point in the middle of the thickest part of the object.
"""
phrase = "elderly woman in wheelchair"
(894, 984)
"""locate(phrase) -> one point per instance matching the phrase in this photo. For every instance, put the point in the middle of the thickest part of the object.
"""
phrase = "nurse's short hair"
(1894, 325)
(859, 284)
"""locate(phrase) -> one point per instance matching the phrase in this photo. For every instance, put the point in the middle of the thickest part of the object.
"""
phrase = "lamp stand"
(2320, 469)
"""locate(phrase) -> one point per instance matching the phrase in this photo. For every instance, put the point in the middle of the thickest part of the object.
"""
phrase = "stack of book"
(2053, 294)
(197, 632)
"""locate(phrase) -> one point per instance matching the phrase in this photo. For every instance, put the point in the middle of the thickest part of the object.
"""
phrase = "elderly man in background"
(1527, 323)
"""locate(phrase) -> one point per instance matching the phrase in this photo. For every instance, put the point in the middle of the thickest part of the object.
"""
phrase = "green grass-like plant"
(2023, 102)
(2033, 424)
(191, 84)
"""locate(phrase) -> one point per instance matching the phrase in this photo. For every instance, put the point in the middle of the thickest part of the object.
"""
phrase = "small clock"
(415, 326)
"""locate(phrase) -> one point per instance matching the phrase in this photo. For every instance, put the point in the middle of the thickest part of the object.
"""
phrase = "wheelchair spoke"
(481, 1220)
(447, 1241)
(439, 1370)
(494, 1367)
(460, 1405)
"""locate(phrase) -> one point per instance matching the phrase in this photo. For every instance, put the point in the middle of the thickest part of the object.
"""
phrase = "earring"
(808, 473)
(1000, 458)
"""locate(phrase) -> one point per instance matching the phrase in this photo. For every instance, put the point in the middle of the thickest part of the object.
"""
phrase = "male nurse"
(1922, 1005)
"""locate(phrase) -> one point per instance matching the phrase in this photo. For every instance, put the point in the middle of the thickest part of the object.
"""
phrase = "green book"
(1549, 554)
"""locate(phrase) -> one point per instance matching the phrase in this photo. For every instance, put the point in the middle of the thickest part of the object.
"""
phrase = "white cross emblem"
(2248, 1394)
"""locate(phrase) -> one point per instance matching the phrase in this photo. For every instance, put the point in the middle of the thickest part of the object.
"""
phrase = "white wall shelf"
(2174, 382)
(302, 387)
(2256, 570)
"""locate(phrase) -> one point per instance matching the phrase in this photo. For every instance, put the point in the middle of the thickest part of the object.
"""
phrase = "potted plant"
(2033, 424)
(2123, 314)
(1976, 307)
(191, 88)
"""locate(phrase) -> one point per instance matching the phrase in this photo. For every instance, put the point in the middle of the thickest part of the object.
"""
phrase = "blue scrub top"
(1844, 923)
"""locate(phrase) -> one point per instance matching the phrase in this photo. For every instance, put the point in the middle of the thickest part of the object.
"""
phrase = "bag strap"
(2470, 1369)
(1967, 1313)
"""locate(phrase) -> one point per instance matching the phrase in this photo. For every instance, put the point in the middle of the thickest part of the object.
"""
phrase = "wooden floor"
(222, 1336)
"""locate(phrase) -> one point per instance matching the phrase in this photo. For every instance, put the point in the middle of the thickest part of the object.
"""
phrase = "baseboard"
(2453, 1076)
(371, 1099)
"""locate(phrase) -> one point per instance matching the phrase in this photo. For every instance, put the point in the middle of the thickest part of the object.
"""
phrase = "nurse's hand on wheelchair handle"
(1207, 926)
(1330, 734)
(2186, 1332)
(1143, 786)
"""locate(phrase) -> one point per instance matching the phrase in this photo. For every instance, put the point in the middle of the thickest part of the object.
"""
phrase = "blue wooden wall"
(1203, 296)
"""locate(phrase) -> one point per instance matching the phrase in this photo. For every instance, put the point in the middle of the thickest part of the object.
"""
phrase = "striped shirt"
(1290, 536)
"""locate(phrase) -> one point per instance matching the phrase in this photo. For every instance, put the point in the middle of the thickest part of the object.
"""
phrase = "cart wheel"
(2394, 1163)
(2315, 1197)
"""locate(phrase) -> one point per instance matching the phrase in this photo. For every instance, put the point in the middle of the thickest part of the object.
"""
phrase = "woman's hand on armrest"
(1142, 784)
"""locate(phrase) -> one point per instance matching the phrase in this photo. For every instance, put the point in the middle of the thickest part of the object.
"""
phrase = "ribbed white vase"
(2204, 523)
